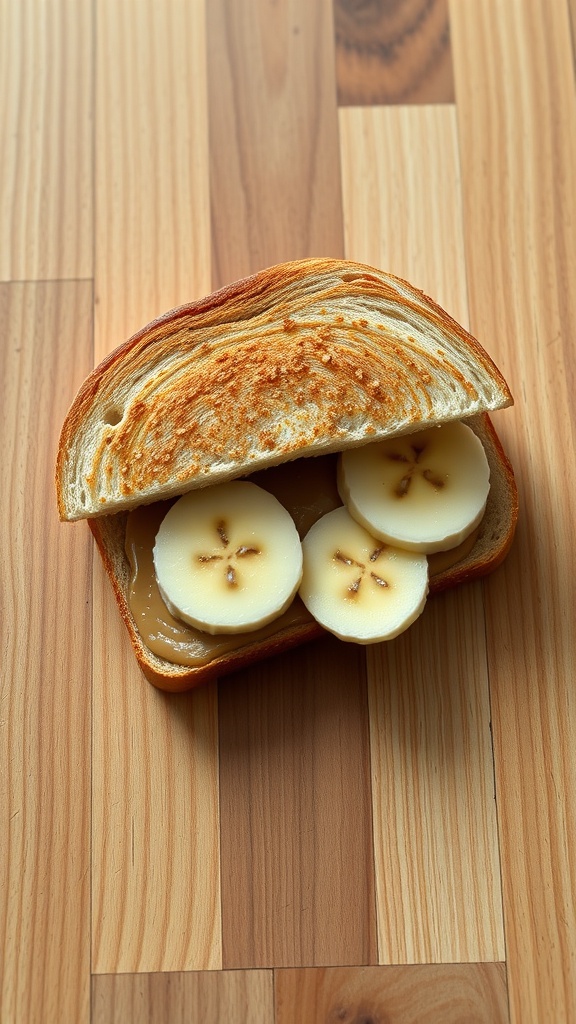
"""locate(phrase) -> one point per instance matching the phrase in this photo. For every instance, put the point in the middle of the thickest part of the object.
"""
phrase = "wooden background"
(337, 835)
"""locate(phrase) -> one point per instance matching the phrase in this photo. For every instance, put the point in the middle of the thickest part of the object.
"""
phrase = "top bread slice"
(301, 359)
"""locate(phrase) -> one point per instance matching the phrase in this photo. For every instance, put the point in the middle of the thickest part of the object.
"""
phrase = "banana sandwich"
(306, 450)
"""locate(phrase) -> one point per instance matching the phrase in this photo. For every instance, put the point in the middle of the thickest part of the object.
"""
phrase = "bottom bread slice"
(493, 541)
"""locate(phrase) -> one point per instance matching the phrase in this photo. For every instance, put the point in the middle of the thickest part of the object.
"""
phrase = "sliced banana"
(424, 492)
(357, 587)
(228, 558)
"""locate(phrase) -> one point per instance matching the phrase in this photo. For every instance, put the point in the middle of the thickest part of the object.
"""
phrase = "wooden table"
(338, 834)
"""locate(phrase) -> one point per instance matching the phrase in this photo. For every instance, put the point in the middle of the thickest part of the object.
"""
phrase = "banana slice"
(424, 492)
(355, 586)
(228, 558)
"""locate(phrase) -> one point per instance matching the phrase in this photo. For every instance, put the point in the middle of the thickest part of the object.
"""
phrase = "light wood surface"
(522, 209)
(152, 226)
(46, 78)
(45, 679)
(436, 844)
(404, 995)
(155, 830)
(362, 835)
(435, 828)
(407, 214)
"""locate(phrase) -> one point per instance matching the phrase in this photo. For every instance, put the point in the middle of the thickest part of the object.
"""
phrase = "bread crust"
(492, 545)
(301, 359)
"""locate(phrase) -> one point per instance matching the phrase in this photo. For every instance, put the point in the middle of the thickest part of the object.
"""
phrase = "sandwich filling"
(308, 490)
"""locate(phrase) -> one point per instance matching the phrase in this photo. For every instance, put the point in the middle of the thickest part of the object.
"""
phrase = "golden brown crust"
(299, 359)
(494, 540)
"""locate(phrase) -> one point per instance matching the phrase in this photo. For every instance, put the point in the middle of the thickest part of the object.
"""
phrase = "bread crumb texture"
(298, 360)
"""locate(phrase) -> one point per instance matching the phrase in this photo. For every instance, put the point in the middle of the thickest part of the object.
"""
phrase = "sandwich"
(306, 450)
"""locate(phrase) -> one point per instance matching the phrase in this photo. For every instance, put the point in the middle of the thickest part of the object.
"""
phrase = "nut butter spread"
(307, 489)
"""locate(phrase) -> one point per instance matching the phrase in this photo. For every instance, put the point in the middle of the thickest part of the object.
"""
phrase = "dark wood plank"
(297, 870)
(418, 994)
(293, 732)
(393, 52)
(274, 158)
(45, 586)
(206, 997)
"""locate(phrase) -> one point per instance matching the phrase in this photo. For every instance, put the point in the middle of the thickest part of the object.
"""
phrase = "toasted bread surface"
(493, 542)
(301, 359)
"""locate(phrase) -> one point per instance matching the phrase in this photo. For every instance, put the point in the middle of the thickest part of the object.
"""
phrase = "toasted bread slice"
(492, 544)
(301, 359)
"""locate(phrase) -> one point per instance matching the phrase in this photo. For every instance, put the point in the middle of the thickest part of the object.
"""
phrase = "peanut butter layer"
(307, 489)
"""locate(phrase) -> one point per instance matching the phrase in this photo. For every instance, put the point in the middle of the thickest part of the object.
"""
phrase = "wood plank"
(155, 863)
(155, 794)
(407, 217)
(404, 995)
(437, 870)
(438, 890)
(45, 667)
(275, 189)
(390, 52)
(46, 140)
(288, 882)
(208, 997)
(517, 128)
(572, 13)
(297, 874)
(152, 239)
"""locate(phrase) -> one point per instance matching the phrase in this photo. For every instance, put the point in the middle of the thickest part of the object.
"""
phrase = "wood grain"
(297, 871)
(438, 884)
(288, 882)
(407, 216)
(572, 13)
(438, 891)
(274, 181)
(389, 52)
(46, 140)
(45, 666)
(517, 127)
(156, 898)
(155, 863)
(192, 998)
(474, 993)
(152, 237)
